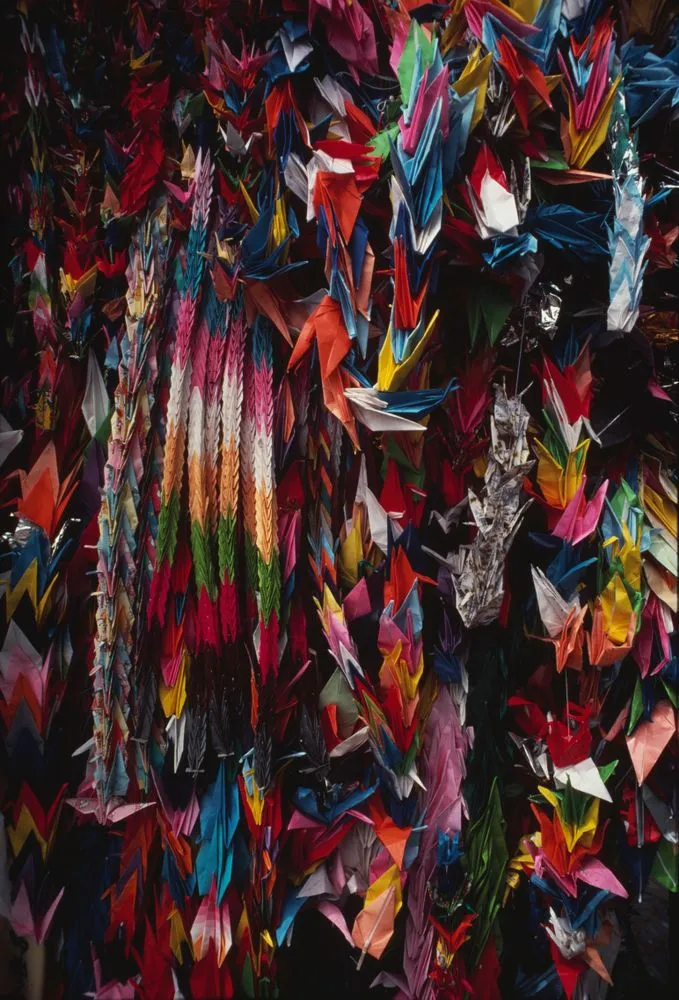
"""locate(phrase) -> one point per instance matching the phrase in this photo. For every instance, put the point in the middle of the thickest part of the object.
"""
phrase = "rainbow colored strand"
(230, 475)
(181, 385)
(259, 506)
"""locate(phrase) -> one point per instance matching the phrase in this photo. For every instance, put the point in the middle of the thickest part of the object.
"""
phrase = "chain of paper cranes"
(338, 582)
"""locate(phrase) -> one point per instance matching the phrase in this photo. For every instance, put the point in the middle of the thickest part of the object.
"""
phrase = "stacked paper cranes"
(338, 585)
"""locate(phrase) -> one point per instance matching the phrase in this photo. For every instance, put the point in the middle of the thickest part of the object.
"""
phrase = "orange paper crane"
(326, 327)
(44, 496)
